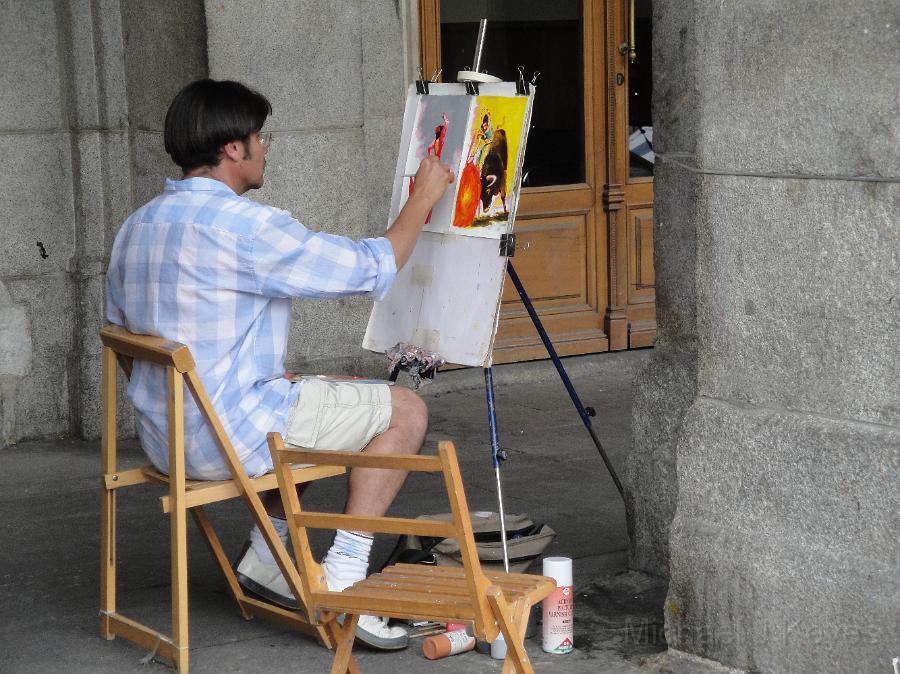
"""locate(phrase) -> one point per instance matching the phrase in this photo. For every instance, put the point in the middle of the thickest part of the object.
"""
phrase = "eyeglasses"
(265, 138)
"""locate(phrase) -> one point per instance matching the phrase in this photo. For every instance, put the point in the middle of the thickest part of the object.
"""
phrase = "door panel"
(641, 277)
(562, 242)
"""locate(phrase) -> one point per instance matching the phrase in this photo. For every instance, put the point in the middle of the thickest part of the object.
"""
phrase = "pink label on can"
(558, 621)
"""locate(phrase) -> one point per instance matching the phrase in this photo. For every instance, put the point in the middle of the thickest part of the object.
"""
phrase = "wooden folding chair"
(494, 603)
(183, 496)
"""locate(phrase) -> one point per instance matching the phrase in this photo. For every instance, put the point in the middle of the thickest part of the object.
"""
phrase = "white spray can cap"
(560, 569)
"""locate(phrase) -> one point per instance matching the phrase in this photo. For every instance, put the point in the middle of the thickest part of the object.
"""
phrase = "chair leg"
(520, 620)
(515, 641)
(179, 589)
(108, 496)
(343, 637)
(178, 521)
(107, 561)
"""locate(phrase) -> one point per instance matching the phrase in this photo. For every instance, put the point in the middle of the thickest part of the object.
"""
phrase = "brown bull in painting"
(493, 172)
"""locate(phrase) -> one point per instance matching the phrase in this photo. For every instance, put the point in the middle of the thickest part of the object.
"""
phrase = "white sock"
(258, 542)
(348, 559)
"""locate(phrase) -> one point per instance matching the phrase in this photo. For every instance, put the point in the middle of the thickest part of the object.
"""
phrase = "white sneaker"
(265, 580)
(373, 630)
(377, 633)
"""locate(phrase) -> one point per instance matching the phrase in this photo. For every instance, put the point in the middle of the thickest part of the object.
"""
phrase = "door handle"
(629, 46)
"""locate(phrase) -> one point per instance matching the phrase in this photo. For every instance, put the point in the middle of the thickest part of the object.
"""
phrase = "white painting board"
(446, 299)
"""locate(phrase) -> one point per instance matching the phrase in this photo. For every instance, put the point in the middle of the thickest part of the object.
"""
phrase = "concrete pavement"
(50, 508)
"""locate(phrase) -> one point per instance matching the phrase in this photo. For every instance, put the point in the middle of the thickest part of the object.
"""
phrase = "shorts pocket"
(305, 422)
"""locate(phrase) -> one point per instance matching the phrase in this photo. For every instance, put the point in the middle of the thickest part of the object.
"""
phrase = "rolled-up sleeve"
(290, 261)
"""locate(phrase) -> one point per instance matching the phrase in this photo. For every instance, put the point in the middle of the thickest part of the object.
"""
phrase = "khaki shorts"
(339, 416)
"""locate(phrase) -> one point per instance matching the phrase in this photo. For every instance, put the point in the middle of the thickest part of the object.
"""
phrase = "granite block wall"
(37, 221)
(335, 75)
(772, 391)
(86, 87)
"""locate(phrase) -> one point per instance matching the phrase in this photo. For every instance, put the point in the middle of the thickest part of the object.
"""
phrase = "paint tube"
(448, 643)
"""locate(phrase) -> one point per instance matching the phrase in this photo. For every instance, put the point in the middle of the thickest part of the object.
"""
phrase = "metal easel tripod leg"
(497, 456)
(584, 413)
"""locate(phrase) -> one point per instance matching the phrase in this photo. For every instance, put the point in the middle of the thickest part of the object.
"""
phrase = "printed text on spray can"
(558, 621)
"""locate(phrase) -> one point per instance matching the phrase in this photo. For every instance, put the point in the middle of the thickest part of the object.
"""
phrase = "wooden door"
(628, 193)
(586, 266)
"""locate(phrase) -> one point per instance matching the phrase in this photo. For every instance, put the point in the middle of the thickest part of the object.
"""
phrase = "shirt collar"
(198, 184)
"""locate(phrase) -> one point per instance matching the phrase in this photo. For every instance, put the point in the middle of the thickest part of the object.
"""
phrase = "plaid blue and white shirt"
(216, 271)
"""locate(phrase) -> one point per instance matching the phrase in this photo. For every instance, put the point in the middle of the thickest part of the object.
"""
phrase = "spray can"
(558, 607)
(448, 643)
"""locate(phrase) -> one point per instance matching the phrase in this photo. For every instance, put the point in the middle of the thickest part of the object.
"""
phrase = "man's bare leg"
(372, 490)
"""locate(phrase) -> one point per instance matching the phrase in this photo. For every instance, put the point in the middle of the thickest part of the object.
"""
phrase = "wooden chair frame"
(494, 603)
(183, 496)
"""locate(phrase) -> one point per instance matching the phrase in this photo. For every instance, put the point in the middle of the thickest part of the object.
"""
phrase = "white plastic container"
(558, 627)
(498, 648)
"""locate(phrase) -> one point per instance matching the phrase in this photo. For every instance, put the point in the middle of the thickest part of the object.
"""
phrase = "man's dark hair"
(208, 114)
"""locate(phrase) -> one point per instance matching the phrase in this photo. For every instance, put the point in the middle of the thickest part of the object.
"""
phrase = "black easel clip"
(508, 245)
(421, 84)
(471, 88)
(522, 83)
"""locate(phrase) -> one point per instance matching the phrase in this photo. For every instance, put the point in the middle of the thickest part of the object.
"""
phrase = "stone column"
(778, 216)
(101, 182)
(36, 202)
(667, 386)
(127, 59)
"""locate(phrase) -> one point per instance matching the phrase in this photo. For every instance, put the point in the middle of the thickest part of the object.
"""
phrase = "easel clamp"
(508, 244)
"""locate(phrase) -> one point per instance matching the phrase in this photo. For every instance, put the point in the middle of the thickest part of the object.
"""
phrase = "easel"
(471, 79)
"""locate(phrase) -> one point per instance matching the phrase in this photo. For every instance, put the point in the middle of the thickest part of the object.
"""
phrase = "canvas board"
(447, 297)
(487, 186)
(482, 139)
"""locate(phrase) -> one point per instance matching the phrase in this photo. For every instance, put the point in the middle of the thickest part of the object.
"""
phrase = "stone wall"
(85, 89)
(37, 292)
(335, 77)
(84, 85)
(767, 425)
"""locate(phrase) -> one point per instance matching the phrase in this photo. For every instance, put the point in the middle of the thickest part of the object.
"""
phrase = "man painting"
(203, 265)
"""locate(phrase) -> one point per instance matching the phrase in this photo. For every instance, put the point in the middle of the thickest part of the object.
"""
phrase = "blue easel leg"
(496, 456)
(582, 412)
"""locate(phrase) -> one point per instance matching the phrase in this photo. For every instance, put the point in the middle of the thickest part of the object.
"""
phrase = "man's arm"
(431, 182)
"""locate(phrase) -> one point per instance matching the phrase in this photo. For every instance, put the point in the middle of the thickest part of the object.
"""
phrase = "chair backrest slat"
(198, 391)
(110, 423)
(144, 347)
(317, 457)
(380, 525)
